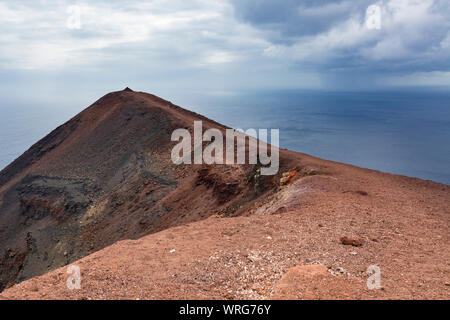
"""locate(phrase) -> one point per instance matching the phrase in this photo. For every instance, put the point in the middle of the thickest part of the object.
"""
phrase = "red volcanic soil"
(101, 192)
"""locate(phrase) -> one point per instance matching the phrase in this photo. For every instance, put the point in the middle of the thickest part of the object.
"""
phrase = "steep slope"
(106, 175)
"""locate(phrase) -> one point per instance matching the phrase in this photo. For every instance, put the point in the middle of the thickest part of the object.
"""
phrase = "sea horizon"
(403, 131)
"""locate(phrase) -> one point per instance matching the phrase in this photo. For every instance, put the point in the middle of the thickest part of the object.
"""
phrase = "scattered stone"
(341, 270)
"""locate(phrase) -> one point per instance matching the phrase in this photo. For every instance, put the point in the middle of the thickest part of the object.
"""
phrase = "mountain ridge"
(104, 158)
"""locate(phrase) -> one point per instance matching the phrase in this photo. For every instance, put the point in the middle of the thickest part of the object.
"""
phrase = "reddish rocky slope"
(106, 176)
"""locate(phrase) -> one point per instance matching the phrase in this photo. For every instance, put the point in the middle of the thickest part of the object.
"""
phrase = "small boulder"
(352, 242)
(288, 177)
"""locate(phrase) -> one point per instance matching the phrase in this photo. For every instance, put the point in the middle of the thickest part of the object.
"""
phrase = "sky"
(58, 50)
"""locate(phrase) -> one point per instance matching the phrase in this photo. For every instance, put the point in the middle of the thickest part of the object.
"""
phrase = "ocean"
(403, 132)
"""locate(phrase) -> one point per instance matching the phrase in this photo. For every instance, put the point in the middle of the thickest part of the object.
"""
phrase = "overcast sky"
(220, 46)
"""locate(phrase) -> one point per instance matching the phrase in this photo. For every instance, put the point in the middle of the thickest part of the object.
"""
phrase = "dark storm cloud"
(296, 17)
(331, 35)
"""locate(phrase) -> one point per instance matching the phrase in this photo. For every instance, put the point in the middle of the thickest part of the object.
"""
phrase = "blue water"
(400, 132)
(24, 123)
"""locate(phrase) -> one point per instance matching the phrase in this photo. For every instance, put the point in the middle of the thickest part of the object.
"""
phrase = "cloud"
(229, 44)
(285, 21)
(413, 34)
(37, 37)
(419, 79)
